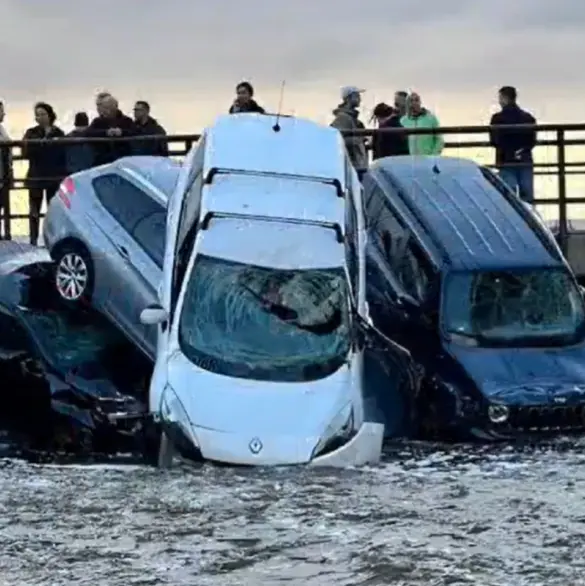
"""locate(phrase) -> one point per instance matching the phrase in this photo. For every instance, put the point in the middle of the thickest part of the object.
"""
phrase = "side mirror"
(153, 315)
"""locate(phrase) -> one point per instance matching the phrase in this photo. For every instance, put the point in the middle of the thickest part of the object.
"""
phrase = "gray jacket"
(346, 118)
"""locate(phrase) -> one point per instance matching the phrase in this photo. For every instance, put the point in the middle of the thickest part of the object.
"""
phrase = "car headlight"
(498, 413)
(341, 429)
(172, 412)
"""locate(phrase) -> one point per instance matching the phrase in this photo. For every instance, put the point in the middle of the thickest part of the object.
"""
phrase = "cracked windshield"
(288, 324)
(509, 307)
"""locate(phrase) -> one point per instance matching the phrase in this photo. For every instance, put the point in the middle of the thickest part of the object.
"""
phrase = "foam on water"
(428, 515)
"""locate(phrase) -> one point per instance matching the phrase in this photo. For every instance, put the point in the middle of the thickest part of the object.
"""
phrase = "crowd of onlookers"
(47, 166)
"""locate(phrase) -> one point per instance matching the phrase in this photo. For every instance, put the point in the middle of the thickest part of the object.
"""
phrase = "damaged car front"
(73, 382)
(514, 354)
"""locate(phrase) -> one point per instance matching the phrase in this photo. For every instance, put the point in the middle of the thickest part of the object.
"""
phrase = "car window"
(150, 235)
(413, 272)
(12, 336)
(351, 223)
(374, 199)
(123, 200)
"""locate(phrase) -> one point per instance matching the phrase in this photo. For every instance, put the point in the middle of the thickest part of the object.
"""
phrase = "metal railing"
(562, 138)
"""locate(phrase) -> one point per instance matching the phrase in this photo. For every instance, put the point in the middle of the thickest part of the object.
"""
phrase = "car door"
(391, 381)
(149, 234)
(131, 269)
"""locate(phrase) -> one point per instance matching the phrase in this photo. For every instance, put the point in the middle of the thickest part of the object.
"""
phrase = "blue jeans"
(520, 180)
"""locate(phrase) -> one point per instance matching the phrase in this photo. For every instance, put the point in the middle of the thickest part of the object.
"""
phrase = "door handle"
(124, 252)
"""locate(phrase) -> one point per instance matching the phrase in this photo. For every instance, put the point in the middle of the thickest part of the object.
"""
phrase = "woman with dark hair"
(46, 163)
(244, 101)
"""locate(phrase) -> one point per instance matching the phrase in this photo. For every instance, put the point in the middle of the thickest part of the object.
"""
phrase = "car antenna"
(276, 126)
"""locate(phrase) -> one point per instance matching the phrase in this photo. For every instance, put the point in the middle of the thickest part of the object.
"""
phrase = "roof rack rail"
(299, 222)
(220, 171)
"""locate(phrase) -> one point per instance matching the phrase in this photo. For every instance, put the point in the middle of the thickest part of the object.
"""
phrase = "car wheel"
(74, 274)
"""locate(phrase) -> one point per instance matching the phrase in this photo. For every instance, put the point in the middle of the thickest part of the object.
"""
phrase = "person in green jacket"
(418, 117)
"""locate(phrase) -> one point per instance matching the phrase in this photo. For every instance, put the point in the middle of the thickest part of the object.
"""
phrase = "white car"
(262, 315)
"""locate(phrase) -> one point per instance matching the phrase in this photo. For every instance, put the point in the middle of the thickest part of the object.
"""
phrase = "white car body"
(264, 199)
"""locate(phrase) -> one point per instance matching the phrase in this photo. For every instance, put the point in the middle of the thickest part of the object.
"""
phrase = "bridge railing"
(559, 163)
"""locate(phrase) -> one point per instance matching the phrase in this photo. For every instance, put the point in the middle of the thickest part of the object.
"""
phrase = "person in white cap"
(347, 118)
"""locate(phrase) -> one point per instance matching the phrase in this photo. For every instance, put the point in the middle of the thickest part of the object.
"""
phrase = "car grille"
(547, 418)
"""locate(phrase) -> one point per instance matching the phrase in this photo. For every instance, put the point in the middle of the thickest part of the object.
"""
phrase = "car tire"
(74, 273)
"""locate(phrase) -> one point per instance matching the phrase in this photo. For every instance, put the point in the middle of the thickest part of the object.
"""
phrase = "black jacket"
(150, 147)
(79, 157)
(512, 146)
(388, 144)
(110, 151)
(46, 161)
(252, 106)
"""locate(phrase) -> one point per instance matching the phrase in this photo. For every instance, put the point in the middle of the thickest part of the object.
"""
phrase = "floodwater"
(429, 515)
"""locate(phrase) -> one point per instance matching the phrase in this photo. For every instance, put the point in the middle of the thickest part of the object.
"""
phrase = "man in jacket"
(111, 123)
(79, 156)
(388, 144)
(244, 102)
(5, 174)
(148, 126)
(419, 117)
(347, 119)
(513, 146)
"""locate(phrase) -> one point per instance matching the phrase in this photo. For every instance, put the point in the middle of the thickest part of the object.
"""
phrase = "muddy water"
(428, 515)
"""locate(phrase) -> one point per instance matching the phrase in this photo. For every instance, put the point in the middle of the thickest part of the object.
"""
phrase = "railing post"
(562, 169)
(5, 187)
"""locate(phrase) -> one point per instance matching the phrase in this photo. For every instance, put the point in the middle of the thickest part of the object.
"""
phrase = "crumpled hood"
(522, 376)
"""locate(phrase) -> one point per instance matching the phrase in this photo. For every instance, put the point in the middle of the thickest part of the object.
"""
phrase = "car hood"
(230, 415)
(526, 375)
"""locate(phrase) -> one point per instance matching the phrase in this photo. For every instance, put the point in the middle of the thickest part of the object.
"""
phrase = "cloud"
(451, 48)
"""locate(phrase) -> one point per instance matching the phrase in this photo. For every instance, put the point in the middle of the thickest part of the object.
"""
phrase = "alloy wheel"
(71, 276)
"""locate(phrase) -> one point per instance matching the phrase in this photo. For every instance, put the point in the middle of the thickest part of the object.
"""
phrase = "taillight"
(66, 190)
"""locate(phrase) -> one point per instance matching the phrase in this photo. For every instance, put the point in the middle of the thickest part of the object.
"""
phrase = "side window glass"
(414, 273)
(123, 200)
(351, 225)
(150, 234)
(12, 337)
(190, 209)
(374, 200)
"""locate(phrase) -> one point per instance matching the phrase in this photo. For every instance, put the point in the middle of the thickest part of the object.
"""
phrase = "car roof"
(273, 244)
(254, 195)
(161, 172)
(300, 147)
(457, 210)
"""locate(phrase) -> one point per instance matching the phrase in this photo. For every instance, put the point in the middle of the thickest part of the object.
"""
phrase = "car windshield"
(265, 324)
(78, 342)
(514, 308)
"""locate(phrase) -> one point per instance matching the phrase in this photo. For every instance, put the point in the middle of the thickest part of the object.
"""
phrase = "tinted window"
(413, 272)
(12, 337)
(374, 199)
(150, 234)
(351, 223)
(123, 200)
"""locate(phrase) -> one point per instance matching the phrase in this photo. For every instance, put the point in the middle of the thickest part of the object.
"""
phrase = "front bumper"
(365, 447)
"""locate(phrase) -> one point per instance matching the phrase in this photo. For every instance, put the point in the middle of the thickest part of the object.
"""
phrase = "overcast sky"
(185, 56)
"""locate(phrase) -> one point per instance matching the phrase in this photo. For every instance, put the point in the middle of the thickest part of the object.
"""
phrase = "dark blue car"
(70, 381)
(467, 278)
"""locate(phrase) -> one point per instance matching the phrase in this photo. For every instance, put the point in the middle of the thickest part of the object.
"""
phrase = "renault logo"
(255, 446)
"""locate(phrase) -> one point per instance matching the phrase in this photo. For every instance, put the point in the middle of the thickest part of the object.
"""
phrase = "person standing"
(347, 119)
(111, 122)
(388, 144)
(79, 157)
(5, 175)
(514, 146)
(418, 117)
(244, 102)
(145, 125)
(400, 99)
(46, 163)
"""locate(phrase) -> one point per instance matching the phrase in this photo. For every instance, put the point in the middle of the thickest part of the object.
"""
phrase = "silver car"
(105, 230)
